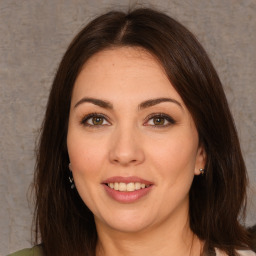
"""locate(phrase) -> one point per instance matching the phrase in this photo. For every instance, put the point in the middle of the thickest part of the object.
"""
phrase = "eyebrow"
(153, 102)
(100, 103)
(143, 105)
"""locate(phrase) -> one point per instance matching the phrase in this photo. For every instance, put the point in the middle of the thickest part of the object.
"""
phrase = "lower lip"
(127, 197)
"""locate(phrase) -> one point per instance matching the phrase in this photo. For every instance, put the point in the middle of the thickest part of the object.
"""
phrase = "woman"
(138, 152)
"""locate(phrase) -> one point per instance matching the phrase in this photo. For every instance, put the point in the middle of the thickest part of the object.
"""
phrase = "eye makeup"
(155, 120)
(159, 120)
(95, 120)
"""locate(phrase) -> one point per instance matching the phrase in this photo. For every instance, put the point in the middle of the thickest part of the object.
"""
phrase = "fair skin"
(128, 124)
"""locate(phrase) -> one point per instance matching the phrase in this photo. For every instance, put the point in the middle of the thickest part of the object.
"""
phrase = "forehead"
(123, 52)
(129, 70)
(124, 59)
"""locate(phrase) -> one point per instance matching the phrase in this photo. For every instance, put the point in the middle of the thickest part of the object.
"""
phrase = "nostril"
(126, 155)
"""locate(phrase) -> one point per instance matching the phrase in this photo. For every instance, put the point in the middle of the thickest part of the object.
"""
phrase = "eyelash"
(85, 119)
(167, 118)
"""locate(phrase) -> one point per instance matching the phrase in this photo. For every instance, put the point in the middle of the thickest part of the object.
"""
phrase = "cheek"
(86, 159)
(86, 156)
(175, 158)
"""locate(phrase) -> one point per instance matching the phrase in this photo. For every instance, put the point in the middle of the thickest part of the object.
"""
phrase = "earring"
(202, 171)
(70, 177)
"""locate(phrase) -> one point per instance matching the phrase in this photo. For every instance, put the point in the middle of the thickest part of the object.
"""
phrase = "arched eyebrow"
(145, 104)
(98, 102)
(153, 102)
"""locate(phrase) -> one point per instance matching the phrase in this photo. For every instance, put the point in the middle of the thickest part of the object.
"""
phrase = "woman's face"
(132, 143)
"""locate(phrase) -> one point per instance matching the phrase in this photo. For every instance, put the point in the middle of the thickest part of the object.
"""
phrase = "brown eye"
(97, 120)
(158, 121)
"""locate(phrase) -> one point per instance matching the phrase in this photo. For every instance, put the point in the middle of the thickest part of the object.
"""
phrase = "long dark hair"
(217, 200)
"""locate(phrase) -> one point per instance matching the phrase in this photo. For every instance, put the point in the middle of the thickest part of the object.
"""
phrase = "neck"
(165, 240)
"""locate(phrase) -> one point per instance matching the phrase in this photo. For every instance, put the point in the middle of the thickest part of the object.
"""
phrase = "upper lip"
(127, 180)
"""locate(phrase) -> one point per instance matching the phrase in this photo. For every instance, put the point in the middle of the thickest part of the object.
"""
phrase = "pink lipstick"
(127, 189)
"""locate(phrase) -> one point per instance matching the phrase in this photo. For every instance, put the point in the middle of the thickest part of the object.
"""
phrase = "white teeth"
(115, 186)
(120, 186)
(137, 185)
(130, 187)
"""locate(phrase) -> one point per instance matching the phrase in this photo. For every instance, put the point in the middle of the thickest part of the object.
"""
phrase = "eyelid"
(170, 120)
(91, 115)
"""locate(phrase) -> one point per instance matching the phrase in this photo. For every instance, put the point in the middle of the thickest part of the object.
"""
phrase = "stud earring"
(70, 177)
(202, 171)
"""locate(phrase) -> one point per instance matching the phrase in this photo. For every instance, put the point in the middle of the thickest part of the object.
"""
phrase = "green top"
(35, 251)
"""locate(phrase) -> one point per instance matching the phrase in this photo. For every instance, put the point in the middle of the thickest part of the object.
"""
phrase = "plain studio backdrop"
(34, 35)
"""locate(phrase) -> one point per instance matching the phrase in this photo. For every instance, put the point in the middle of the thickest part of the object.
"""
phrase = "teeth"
(122, 186)
(127, 187)
(116, 186)
(130, 187)
(137, 185)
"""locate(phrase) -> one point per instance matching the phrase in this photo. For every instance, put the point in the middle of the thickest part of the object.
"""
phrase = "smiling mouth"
(127, 187)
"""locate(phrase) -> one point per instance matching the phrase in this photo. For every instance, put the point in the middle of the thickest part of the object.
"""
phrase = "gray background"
(34, 35)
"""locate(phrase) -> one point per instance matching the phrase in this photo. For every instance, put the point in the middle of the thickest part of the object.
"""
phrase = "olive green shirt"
(35, 251)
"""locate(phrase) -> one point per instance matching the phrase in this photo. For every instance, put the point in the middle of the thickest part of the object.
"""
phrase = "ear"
(200, 160)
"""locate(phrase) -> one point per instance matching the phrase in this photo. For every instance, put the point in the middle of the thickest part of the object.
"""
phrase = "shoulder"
(35, 251)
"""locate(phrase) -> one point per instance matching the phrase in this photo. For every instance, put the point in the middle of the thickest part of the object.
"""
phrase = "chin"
(125, 223)
(128, 227)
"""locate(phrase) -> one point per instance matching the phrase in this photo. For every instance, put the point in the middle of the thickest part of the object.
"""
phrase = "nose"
(126, 147)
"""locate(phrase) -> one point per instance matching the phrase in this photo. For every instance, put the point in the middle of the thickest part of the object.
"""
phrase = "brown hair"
(217, 199)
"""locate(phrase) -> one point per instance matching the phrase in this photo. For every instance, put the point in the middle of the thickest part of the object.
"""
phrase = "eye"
(159, 120)
(95, 119)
